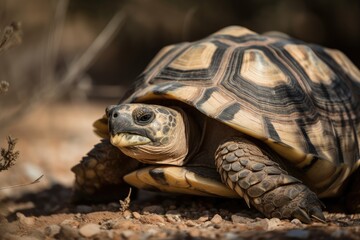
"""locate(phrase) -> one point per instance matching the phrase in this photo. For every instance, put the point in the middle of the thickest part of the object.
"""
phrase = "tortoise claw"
(317, 214)
(314, 213)
(301, 215)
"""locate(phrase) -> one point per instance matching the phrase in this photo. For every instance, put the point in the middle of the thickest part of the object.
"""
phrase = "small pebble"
(71, 222)
(216, 219)
(127, 214)
(171, 218)
(52, 230)
(152, 219)
(273, 223)
(207, 224)
(203, 218)
(236, 218)
(296, 222)
(190, 223)
(25, 220)
(127, 233)
(67, 232)
(136, 215)
(298, 233)
(89, 230)
(261, 224)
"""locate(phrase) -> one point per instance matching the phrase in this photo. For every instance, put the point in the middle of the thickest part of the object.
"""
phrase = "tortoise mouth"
(128, 140)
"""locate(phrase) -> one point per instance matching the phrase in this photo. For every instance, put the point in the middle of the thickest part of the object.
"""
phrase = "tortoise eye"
(143, 116)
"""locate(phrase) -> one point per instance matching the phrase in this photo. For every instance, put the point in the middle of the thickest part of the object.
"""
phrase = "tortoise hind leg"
(256, 176)
(99, 175)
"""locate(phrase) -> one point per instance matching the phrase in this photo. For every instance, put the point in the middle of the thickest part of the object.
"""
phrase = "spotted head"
(149, 133)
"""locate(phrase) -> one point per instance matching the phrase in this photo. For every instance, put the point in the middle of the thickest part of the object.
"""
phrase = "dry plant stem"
(76, 69)
(124, 205)
(53, 42)
(9, 155)
(22, 185)
(10, 36)
(4, 87)
(80, 65)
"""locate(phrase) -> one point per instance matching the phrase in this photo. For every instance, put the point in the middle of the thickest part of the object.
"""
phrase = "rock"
(136, 215)
(190, 223)
(259, 225)
(89, 230)
(127, 233)
(207, 224)
(70, 222)
(127, 225)
(216, 219)
(296, 222)
(239, 218)
(152, 219)
(52, 230)
(173, 216)
(127, 214)
(67, 232)
(25, 220)
(157, 209)
(83, 209)
(273, 224)
(298, 233)
(203, 218)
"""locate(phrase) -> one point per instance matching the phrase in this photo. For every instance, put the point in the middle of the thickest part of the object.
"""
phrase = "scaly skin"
(99, 175)
(250, 171)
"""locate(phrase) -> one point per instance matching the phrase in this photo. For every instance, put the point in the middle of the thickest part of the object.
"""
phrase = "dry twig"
(10, 36)
(9, 155)
(124, 205)
(4, 86)
(23, 184)
(76, 68)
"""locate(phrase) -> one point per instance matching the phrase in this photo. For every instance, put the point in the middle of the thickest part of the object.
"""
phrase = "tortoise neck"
(194, 129)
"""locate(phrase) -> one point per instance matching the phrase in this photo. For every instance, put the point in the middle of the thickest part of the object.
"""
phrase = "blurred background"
(56, 91)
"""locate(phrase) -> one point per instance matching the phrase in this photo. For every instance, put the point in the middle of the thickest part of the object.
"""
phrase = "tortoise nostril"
(115, 115)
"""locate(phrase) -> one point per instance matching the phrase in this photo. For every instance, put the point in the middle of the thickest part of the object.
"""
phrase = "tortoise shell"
(301, 99)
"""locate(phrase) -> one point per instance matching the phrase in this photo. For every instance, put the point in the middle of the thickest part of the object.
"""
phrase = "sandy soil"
(53, 138)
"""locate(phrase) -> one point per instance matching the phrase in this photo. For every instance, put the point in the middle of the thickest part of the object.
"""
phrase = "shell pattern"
(302, 99)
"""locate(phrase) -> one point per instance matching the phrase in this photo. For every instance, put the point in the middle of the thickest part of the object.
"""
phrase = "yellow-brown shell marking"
(302, 99)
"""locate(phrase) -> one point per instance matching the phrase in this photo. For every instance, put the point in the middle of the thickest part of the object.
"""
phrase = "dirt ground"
(54, 137)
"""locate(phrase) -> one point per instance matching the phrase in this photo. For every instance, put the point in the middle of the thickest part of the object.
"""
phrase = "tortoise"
(267, 118)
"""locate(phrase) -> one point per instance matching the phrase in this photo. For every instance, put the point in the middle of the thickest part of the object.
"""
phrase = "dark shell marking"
(302, 99)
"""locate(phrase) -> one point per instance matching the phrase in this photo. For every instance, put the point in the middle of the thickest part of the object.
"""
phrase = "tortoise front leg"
(99, 175)
(257, 177)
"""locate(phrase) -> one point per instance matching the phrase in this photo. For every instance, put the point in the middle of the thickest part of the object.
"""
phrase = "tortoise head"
(148, 133)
